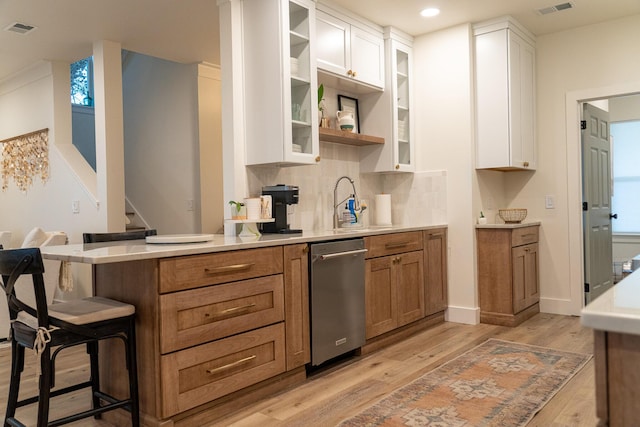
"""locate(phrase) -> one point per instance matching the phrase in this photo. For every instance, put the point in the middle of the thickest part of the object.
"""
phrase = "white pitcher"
(346, 120)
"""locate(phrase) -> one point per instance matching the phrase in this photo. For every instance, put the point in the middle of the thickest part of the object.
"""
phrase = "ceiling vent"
(20, 28)
(556, 8)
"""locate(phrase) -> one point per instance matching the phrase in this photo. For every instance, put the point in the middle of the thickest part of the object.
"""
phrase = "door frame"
(573, 106)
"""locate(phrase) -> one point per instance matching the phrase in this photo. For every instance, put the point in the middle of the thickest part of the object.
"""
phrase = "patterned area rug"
(498, 383)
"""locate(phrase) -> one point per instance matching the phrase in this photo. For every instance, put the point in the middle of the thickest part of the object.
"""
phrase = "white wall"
(162, 160)
(444, 135)
(595, 61)
(27, 104)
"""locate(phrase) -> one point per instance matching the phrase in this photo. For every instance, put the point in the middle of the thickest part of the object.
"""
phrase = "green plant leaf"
(320, 93)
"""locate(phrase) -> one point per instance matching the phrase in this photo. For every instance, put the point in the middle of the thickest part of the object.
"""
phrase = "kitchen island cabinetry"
(505, 96)
(296, 298)
(394, 282)
(508, 273)
(615, 319)
(224, 323)
(211, 325)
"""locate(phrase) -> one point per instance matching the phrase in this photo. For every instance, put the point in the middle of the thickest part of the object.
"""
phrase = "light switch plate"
(549, 202)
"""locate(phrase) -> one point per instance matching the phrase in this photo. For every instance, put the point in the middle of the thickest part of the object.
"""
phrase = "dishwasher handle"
(340, 254)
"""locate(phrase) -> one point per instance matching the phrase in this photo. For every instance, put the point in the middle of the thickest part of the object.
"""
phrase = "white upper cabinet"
(349, 50)
(281, 98)
(391, 114)
(505, 96)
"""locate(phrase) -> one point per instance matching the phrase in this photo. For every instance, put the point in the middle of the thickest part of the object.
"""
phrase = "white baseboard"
(466, 315)
(558, 306)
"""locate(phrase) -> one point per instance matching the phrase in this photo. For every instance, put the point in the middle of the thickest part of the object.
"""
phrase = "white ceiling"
(187, 30)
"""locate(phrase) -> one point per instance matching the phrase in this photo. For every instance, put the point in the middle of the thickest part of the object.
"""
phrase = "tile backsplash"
(417, 199)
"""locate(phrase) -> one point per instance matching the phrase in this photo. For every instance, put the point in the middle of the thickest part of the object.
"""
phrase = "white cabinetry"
(505, 96)
(349, 51)
(281, 119)
(391, 115)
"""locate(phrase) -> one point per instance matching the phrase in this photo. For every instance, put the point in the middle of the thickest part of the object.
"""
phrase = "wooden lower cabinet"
(435, 270)
(508, 279)
(296, 302)
(617, 356)
(213, 330)
(394, 284)
(198, 375)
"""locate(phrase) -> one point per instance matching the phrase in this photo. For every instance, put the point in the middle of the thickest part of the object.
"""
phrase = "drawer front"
(201, 315)
(180, 273)
(389, 244)
(198, 375)
(524, 236)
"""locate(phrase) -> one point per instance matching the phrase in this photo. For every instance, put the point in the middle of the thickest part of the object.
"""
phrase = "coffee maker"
(281, 196)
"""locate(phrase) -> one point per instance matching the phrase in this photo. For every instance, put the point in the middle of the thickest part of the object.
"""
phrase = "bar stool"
(49, 330)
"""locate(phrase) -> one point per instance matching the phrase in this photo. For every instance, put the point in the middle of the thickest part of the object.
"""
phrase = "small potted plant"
(237, 210)
(482, 219)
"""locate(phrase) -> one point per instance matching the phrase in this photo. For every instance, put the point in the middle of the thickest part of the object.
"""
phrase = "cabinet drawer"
(524, 236)
(197, 316)
(390, 244)
(180, 273)
(204, 373)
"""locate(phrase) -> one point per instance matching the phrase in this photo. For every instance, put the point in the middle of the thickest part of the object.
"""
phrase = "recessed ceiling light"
(429, 12)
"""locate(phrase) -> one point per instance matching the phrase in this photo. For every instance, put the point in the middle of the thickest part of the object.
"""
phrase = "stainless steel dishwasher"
(337, 298)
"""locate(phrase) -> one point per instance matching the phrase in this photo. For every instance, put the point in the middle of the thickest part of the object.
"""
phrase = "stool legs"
(17, 366)
(132, 366)
(45, 387)
(92, 350)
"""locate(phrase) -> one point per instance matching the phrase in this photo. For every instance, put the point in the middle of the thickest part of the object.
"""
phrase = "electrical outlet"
(75, 206)
(549, 202)
(190, 205)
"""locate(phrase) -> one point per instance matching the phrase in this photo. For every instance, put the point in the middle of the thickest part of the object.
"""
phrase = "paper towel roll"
(253, 207)
(383, 209)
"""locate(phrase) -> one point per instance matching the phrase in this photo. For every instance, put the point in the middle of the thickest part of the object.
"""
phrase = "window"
(626, 177)
(82, 82)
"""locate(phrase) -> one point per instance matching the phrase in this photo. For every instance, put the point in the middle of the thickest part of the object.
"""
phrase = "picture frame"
(346, 103)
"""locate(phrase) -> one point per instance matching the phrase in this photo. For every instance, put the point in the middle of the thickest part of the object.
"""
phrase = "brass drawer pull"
(240, 308)
(396, 245)
(228, 268)
(231, 365)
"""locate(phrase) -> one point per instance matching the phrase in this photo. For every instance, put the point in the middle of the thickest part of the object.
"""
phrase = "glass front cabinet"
(398, 153)
(281, 105)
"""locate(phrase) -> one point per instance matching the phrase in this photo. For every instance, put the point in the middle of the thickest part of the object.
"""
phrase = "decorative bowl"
(512, 216)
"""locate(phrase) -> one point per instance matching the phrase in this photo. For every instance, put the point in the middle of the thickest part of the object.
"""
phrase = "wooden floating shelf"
(348, 138)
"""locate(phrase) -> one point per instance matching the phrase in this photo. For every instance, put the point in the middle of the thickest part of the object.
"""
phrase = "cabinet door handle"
(397, 166)
(525, 164)
(231, 365)
(228, 268)
(239, 308)
(396, 245)
(317, 159)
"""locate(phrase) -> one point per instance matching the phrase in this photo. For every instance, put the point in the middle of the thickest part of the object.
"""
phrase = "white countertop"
(618, 309)
(132, 250)
(520, 225)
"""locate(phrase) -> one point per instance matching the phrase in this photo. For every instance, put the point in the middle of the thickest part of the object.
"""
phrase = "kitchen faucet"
(335, 196)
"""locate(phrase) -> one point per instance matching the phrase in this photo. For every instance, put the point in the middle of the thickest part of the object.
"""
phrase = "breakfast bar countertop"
(103, 253)
(616, 310)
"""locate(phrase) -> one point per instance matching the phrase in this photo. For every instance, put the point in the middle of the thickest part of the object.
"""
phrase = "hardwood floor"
(337, 392)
